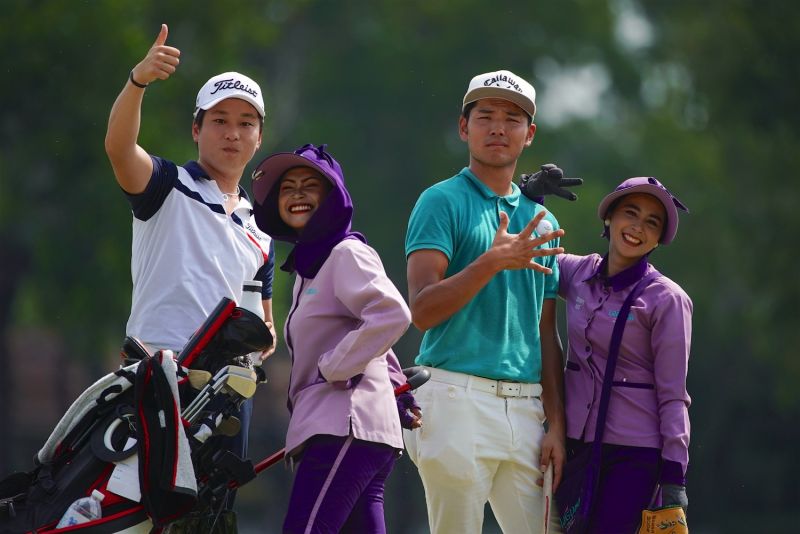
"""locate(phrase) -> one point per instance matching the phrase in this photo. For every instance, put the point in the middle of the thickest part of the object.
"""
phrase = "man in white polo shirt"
(194, 235)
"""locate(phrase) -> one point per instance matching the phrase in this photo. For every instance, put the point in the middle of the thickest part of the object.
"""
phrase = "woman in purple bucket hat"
(645, 439)
(344, 430)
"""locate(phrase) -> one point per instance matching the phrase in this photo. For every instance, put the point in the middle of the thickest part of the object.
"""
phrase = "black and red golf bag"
(148, 436)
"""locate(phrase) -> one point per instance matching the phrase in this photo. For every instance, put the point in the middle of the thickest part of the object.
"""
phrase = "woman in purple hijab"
(344, 430)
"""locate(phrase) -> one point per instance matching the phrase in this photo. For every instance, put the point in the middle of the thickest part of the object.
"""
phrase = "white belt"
(500, 388)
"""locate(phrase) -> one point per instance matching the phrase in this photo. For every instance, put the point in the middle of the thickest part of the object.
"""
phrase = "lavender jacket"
(340, 330)
(649, 402)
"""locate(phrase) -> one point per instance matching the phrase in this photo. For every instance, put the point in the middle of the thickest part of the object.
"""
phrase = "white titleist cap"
(502, 84)
(230, 85)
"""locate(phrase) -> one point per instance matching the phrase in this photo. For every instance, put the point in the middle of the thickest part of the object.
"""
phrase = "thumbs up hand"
(159, 63)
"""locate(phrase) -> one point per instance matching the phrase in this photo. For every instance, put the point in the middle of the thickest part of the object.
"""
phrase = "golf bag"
(148, 436)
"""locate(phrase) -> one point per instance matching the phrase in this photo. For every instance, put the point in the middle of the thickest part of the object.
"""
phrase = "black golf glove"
(548, 181)
(673, 494)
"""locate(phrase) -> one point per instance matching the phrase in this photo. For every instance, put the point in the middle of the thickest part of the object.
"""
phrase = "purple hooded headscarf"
(329, 225)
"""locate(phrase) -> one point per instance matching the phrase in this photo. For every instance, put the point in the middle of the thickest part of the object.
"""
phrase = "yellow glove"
(667, 520)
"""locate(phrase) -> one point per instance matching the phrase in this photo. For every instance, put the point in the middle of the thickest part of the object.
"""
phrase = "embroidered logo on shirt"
(311, 291)
(615, 314)
(253, 229)
(579, 302)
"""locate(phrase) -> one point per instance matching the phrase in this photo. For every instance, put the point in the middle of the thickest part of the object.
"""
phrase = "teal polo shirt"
(496, 335)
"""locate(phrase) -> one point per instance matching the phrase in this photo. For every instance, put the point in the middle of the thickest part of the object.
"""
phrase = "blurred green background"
(702, 95)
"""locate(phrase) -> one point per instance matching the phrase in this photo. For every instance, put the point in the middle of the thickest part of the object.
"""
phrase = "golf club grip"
(415, 376)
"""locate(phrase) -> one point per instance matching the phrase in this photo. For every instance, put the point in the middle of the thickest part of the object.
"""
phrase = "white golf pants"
(476, 447)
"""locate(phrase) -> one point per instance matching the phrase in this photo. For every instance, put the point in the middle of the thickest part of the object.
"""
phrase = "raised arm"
(433, 298)
(131, 163)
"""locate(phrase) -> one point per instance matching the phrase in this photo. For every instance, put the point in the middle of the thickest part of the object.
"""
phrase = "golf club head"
(241, 371)
(198, 378)
(244, 386)
(229, 426)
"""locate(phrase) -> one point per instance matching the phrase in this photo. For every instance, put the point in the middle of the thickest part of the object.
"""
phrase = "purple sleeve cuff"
(406, 402)
(672, 473)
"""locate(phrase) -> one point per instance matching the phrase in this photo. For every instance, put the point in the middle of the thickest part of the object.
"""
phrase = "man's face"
(229, 137)
(496, 132)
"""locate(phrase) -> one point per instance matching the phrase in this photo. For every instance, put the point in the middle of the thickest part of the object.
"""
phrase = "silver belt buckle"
(508, 389)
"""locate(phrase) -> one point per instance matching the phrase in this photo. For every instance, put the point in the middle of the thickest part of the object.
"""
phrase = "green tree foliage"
(702, 96)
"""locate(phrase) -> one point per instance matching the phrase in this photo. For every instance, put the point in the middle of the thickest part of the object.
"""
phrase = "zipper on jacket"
(289, 338)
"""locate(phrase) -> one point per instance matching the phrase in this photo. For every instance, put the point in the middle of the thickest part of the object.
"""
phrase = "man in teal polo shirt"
(483, 290)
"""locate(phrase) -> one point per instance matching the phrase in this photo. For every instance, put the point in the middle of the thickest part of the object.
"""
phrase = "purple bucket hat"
(650, 186)
(275, 166)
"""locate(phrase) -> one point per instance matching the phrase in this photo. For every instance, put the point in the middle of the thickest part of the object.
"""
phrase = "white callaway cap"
(230, 85)
(502, 84)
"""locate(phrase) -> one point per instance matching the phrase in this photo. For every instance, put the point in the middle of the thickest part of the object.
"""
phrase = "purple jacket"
(649, 402)
(340, 330)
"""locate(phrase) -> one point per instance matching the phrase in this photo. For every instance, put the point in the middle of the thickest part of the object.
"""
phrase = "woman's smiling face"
(301, 192)
(637, 224)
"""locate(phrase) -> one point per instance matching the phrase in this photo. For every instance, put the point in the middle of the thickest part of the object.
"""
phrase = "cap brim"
(274, 167)
(671, 226)
(250, 100)
(527, 105)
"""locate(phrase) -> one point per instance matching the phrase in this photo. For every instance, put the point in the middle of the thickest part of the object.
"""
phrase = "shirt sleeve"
(551, 280)
(365, 290)
(431, 224)
(396, 376)
(149, 201)
(267, 272)
(671, 343)
(567, 264)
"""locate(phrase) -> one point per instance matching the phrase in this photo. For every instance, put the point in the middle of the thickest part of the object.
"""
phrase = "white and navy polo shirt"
(188, 254)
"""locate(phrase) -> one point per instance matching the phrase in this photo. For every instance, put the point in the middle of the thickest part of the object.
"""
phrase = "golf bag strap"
(611, 362)
(101, 443)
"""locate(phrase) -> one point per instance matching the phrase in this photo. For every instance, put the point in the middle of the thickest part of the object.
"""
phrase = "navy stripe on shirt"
(267, 272)
(162, 181)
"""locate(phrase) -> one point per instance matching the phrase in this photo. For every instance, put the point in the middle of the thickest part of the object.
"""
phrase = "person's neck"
(498, 179)
(227, 181)
(616, 264)
(228, 187)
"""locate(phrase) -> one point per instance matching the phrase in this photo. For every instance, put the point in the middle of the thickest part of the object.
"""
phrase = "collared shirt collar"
(483, 189)
(198, 173)
(622, 279)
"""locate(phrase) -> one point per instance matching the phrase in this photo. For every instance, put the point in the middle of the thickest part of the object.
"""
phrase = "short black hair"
(469, 107)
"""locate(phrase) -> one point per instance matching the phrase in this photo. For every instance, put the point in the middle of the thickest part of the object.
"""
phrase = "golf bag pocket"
(166, 475)
(574, 494)
(242, 332)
